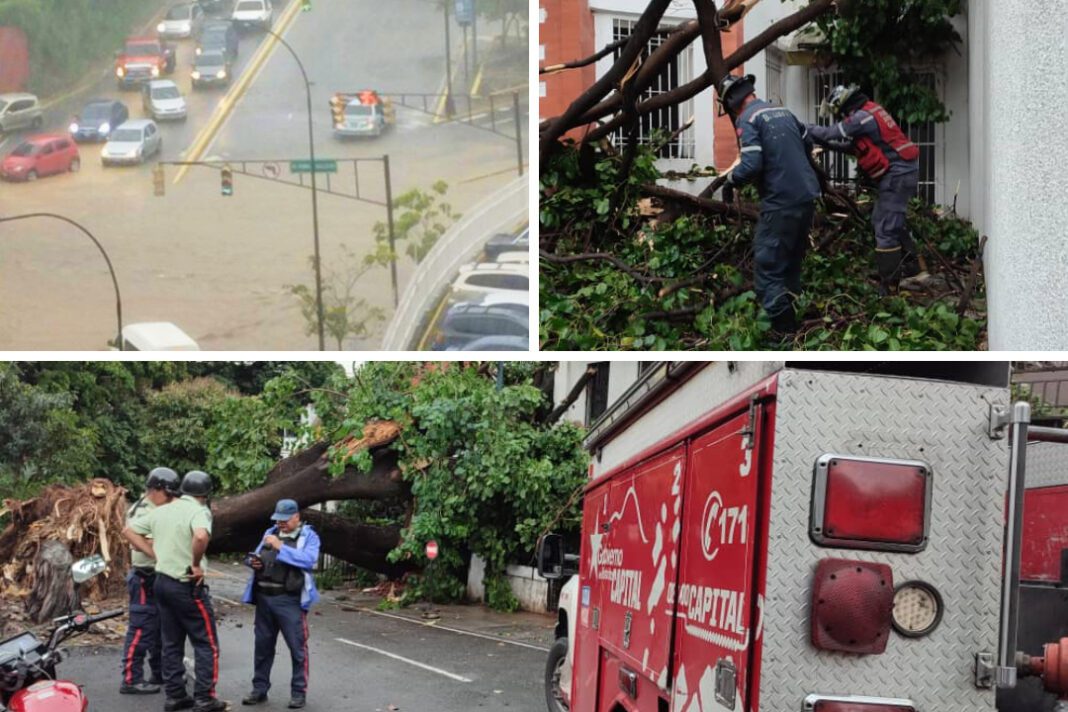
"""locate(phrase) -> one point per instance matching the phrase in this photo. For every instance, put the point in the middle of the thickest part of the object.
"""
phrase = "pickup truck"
(143, 59)
(365, 113)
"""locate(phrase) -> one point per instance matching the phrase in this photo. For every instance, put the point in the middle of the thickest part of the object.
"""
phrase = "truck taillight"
(870, 503)
(820, 703)
(852, 606)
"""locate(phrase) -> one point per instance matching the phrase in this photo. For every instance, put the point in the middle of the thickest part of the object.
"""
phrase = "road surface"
(219, 267)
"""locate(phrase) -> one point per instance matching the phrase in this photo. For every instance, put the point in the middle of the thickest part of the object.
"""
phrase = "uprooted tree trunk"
(240, 520)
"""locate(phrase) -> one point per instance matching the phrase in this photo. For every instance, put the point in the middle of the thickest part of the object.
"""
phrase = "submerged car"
(218, 36)
(163, 101)
(211, 69)
(253, 13)
(19, 111)
(182, 21)
(41, 155)
(97, 118)
(133, 142)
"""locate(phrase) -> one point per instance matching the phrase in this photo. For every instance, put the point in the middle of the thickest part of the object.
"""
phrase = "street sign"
(321, 166)
(271, 170)
(431, 550)
(465, 12)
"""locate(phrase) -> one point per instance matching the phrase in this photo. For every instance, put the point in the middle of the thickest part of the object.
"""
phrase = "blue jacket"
(304, 556)
(775, 147)
(860, 123)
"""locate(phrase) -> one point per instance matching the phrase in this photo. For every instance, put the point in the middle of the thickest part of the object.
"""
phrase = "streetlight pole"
(449, 110)
(315, 195)
(103, 252)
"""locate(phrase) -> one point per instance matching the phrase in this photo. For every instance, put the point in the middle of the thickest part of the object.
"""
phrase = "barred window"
(925, 135)
(667, 120)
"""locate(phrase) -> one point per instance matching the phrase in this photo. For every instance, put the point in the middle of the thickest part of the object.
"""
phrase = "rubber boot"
(783, 327)
(913, 275)
(889, 264)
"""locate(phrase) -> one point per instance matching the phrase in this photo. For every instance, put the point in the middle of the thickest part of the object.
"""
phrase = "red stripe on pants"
(214, 647)
(130, 654)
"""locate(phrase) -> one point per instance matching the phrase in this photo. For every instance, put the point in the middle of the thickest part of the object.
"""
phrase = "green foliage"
(421, 220)
(594, 305)
(879, 43)
(345, 313)
(330, 578)
(179, 417)
(66, 37)
(486, 477)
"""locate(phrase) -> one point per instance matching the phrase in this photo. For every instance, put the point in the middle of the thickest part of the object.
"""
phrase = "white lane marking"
(416, 663)
(484, 636)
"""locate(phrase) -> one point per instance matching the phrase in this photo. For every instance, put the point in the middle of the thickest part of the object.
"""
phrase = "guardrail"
(500, 212)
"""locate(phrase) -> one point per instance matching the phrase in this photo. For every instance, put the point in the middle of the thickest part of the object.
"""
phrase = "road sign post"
(431, 550)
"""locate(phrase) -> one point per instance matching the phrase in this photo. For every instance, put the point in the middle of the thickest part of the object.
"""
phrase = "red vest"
(870, 157)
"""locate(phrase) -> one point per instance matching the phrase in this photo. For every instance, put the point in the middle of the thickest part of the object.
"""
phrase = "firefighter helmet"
(733, 90)
(842, 100)
(163, 478)
(196, 483)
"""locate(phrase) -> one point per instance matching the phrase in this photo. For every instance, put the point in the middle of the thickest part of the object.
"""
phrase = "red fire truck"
(772, 536)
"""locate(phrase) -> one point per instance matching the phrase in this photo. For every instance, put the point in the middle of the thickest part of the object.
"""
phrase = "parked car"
(213, 6)
(41, 155)
(218, 36)
(163, 101)
(19, 111)
(156, 336)
(253, 13)
(495, 343)
(513, 257)
(182, 21)
(96, 119)
(465, 322)
(211, 69)
(488, 277)
(507, 242)
(133, 142)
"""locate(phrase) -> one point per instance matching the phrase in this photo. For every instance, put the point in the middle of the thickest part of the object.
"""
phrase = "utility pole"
(449, 109)
(392, 237)
(518, 130)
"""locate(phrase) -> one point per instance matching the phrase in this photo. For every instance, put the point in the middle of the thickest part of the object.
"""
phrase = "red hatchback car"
(41, 155)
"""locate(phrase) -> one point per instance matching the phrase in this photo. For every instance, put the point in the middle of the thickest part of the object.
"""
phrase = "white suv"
(253, 13)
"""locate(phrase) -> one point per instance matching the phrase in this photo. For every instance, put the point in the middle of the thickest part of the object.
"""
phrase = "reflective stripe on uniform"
(752, 149)
(763, 111)
(129, 657)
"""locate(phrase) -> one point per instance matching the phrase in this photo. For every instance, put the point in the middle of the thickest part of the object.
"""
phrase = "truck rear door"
(717, 616)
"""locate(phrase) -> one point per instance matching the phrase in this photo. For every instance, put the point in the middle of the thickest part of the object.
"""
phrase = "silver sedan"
(133, 142)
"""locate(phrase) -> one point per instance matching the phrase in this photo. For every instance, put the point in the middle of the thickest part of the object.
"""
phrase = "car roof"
(45, 137)
(496, 343)
(160, 83)
(516, 267)
(158, 336)
(109, 102)
(511, 296)
(16, 96)
(135, 124)
(210, 54)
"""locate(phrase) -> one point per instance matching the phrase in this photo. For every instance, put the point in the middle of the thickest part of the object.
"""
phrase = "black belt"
(273, 591)
(144, 571)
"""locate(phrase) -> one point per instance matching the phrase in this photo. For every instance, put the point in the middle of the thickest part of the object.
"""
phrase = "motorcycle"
(28, 665)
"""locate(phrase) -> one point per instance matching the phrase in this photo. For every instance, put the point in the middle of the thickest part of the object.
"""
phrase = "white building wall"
(1024, 186)
(621, 376)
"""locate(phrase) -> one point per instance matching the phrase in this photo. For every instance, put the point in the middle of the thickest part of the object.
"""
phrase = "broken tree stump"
(53, 593)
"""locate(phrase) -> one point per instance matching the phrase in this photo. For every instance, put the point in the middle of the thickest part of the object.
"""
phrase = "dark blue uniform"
(774, 155)
(896, 188)
(143, 632)
(186, 612)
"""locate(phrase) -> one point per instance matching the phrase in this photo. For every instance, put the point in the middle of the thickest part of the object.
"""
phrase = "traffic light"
(337, 108)
(159, 185)
(305, 5)
(227, 181)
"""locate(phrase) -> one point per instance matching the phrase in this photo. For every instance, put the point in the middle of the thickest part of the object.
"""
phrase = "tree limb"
(575, 64)
(603, 256)
(571, 397)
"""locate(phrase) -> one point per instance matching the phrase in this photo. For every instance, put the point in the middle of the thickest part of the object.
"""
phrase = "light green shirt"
(171, 529)
(139, 511)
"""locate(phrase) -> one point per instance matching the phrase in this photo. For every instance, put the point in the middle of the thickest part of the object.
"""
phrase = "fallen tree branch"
(973, 279)
(571, 397)
(575, 64)
(704, 204)
(602, 256)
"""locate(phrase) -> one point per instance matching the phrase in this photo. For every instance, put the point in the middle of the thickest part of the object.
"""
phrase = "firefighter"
(887, 156)
(774, 155)
(180, 533)
(283, 589)
(143, 634)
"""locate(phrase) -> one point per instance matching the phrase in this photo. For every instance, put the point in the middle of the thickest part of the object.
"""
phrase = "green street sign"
(321, 166)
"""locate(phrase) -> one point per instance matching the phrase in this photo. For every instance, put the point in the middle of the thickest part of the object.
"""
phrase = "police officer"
(180, 535)
(774, 155)
(283, 590)
(887, 156)
(143, 633)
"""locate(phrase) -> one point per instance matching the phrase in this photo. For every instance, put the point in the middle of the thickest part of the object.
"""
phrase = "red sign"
(431, 550)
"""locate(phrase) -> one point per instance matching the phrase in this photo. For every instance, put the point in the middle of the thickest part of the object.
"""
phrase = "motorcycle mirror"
(85, 569)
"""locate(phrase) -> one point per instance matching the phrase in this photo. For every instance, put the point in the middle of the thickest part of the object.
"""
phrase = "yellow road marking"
(226, 105)
(433, 320)
(478, 79)
(444, 90)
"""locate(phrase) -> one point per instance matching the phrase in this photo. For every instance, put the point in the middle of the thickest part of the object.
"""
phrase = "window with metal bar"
(667, 120)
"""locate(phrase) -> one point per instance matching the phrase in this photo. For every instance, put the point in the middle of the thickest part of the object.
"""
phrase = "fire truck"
(819, 537)
(362, 113)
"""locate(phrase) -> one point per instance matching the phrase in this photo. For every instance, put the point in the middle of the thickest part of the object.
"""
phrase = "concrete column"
(1025, 196)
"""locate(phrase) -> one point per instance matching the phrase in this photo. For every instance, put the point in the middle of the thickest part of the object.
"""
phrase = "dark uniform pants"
(891, 209)
(186, 612)
(274, 614)
(143, 633)
(778, 250)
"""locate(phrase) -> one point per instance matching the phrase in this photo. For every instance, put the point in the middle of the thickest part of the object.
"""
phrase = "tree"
(423, 219)
(345, 313)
